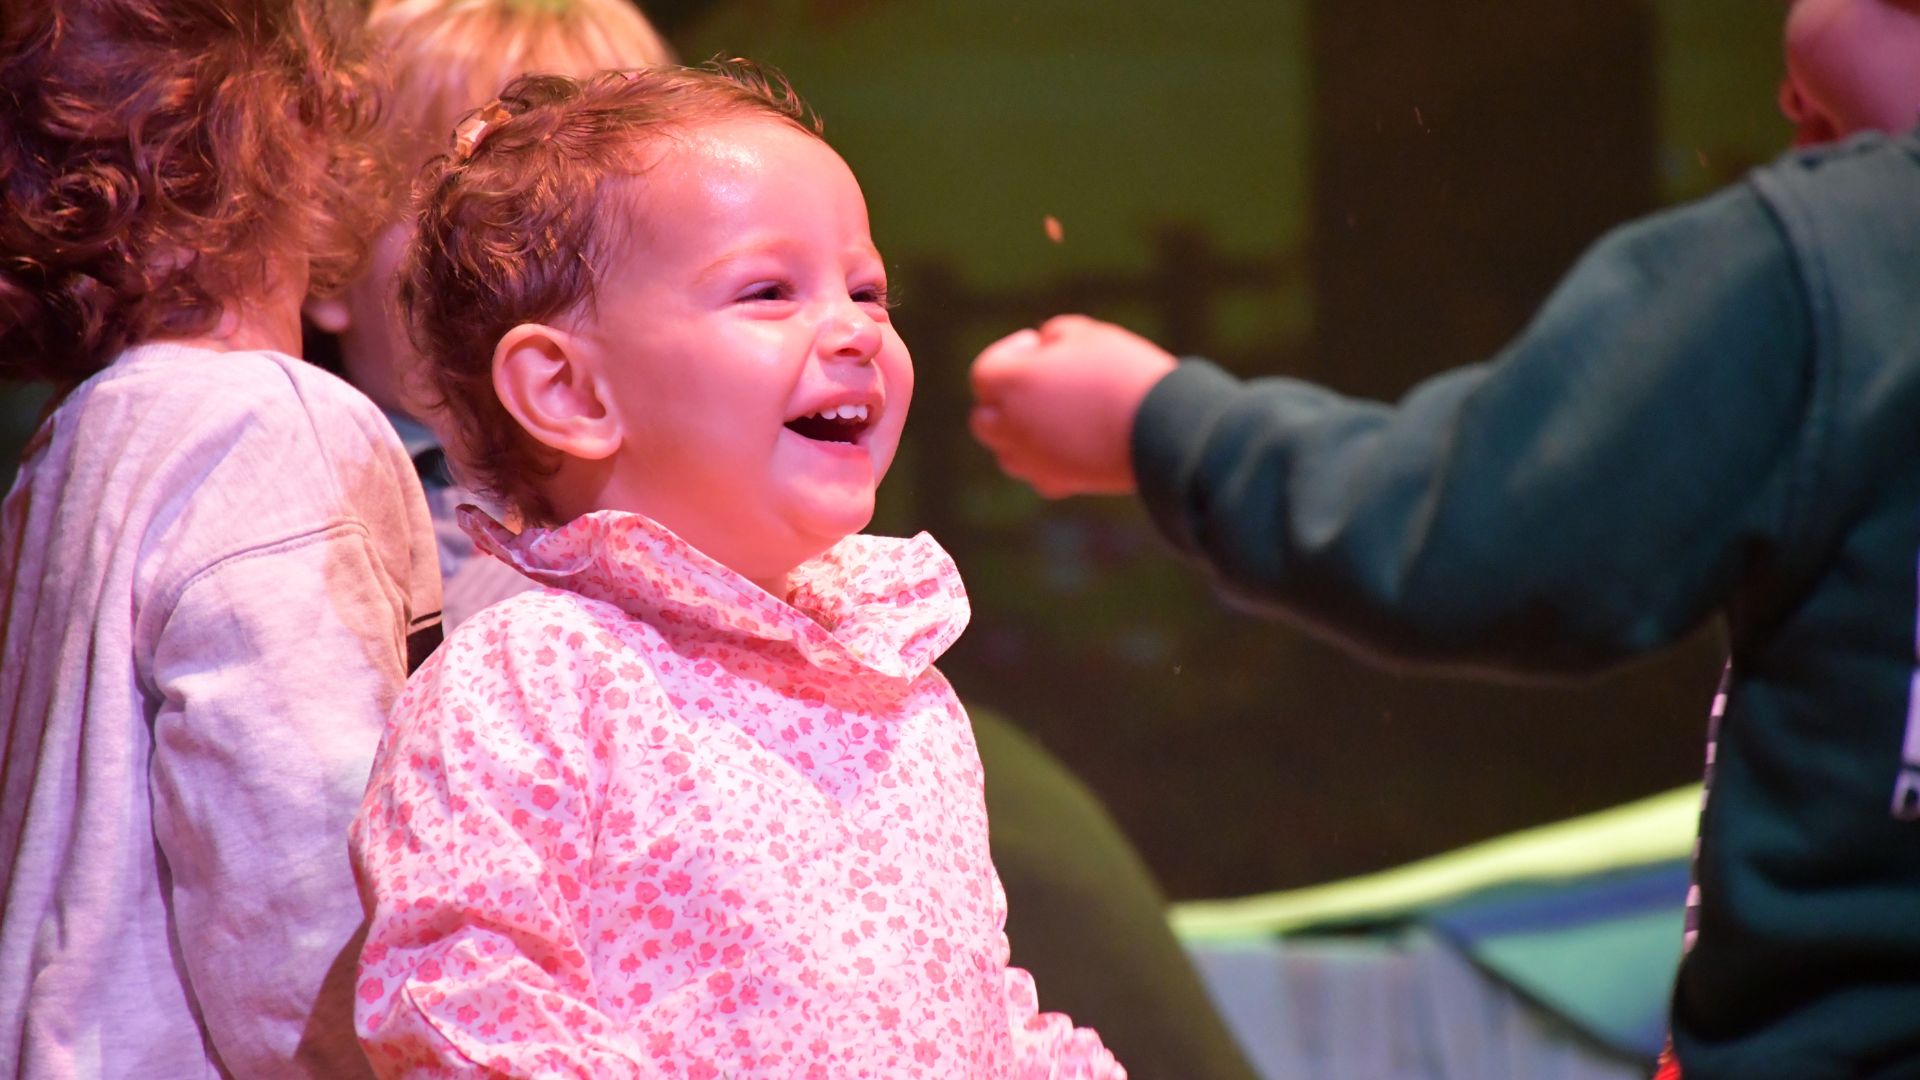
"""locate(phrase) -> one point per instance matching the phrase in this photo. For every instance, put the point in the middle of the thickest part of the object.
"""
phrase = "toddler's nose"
(850, 333)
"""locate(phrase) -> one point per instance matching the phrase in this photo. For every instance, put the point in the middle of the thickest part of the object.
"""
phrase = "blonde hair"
(445, 58)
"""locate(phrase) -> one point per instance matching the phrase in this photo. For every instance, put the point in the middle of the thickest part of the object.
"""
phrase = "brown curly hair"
(160, 157)
(517, 221)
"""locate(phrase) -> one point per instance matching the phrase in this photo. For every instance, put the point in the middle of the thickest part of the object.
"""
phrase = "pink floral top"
(654, 821)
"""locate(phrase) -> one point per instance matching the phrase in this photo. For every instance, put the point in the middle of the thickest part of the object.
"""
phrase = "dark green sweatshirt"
(1716, 414)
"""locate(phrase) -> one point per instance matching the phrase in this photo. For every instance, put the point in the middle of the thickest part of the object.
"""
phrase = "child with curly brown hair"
(701, 805)
(216, 560)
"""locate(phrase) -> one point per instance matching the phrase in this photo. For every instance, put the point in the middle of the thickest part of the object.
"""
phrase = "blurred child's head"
(440, 59)
(655, 291)
(166, 163)
(1852, 66)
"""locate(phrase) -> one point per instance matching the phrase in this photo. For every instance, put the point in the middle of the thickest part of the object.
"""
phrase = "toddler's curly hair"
(516, 223)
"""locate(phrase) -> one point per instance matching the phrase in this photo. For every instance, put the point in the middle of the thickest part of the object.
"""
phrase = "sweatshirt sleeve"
(1046, 1045)
(1591, 493)
(281, 591)
(270, 710)
(474, 849)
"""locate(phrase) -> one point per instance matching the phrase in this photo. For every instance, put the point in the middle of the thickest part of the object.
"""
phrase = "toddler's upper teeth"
(845, 412)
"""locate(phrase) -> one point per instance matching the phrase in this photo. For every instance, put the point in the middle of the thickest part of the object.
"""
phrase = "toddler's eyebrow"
(775, 249)
(771, 247)
(720, 266)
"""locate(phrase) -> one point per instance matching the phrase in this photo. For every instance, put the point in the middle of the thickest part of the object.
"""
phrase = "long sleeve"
(1593, 492)
(269, 715)
(1046, 1045)
(276, 554)
(475, 849)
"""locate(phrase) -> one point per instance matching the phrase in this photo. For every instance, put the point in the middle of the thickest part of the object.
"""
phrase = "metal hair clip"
(476, 127)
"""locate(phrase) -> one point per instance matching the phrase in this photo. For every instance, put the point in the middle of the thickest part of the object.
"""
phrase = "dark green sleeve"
(1593, 492)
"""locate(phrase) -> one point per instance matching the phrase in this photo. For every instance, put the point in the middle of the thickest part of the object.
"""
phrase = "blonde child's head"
(436, 61)
(163, 162)
(444, 58)
(655, 291)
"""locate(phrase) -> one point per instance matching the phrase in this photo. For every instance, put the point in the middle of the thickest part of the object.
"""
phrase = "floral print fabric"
(654, 821)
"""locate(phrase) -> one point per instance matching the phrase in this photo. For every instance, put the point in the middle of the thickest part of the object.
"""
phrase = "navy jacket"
(1716, 414)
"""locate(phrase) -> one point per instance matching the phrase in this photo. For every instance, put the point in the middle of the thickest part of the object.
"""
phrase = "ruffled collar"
(873, 604)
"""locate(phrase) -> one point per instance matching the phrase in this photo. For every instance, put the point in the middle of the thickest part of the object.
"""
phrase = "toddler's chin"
(831, 503)
(829, 524)
(847, 524)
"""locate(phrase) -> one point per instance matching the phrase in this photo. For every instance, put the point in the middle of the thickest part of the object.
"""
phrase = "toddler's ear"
(545, 378)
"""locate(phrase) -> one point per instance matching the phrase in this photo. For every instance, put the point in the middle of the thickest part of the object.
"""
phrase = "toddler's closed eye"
(766, 291)
(876, 295)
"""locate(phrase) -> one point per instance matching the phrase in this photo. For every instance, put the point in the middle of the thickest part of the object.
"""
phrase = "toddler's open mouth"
(835, 423)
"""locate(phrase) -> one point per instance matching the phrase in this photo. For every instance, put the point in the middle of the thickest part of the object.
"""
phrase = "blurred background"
(1361, 192)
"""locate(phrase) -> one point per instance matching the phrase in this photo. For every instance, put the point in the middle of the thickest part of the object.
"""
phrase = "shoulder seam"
(170, 598)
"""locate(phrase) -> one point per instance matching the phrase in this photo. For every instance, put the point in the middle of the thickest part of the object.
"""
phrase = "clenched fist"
(1056, 405)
